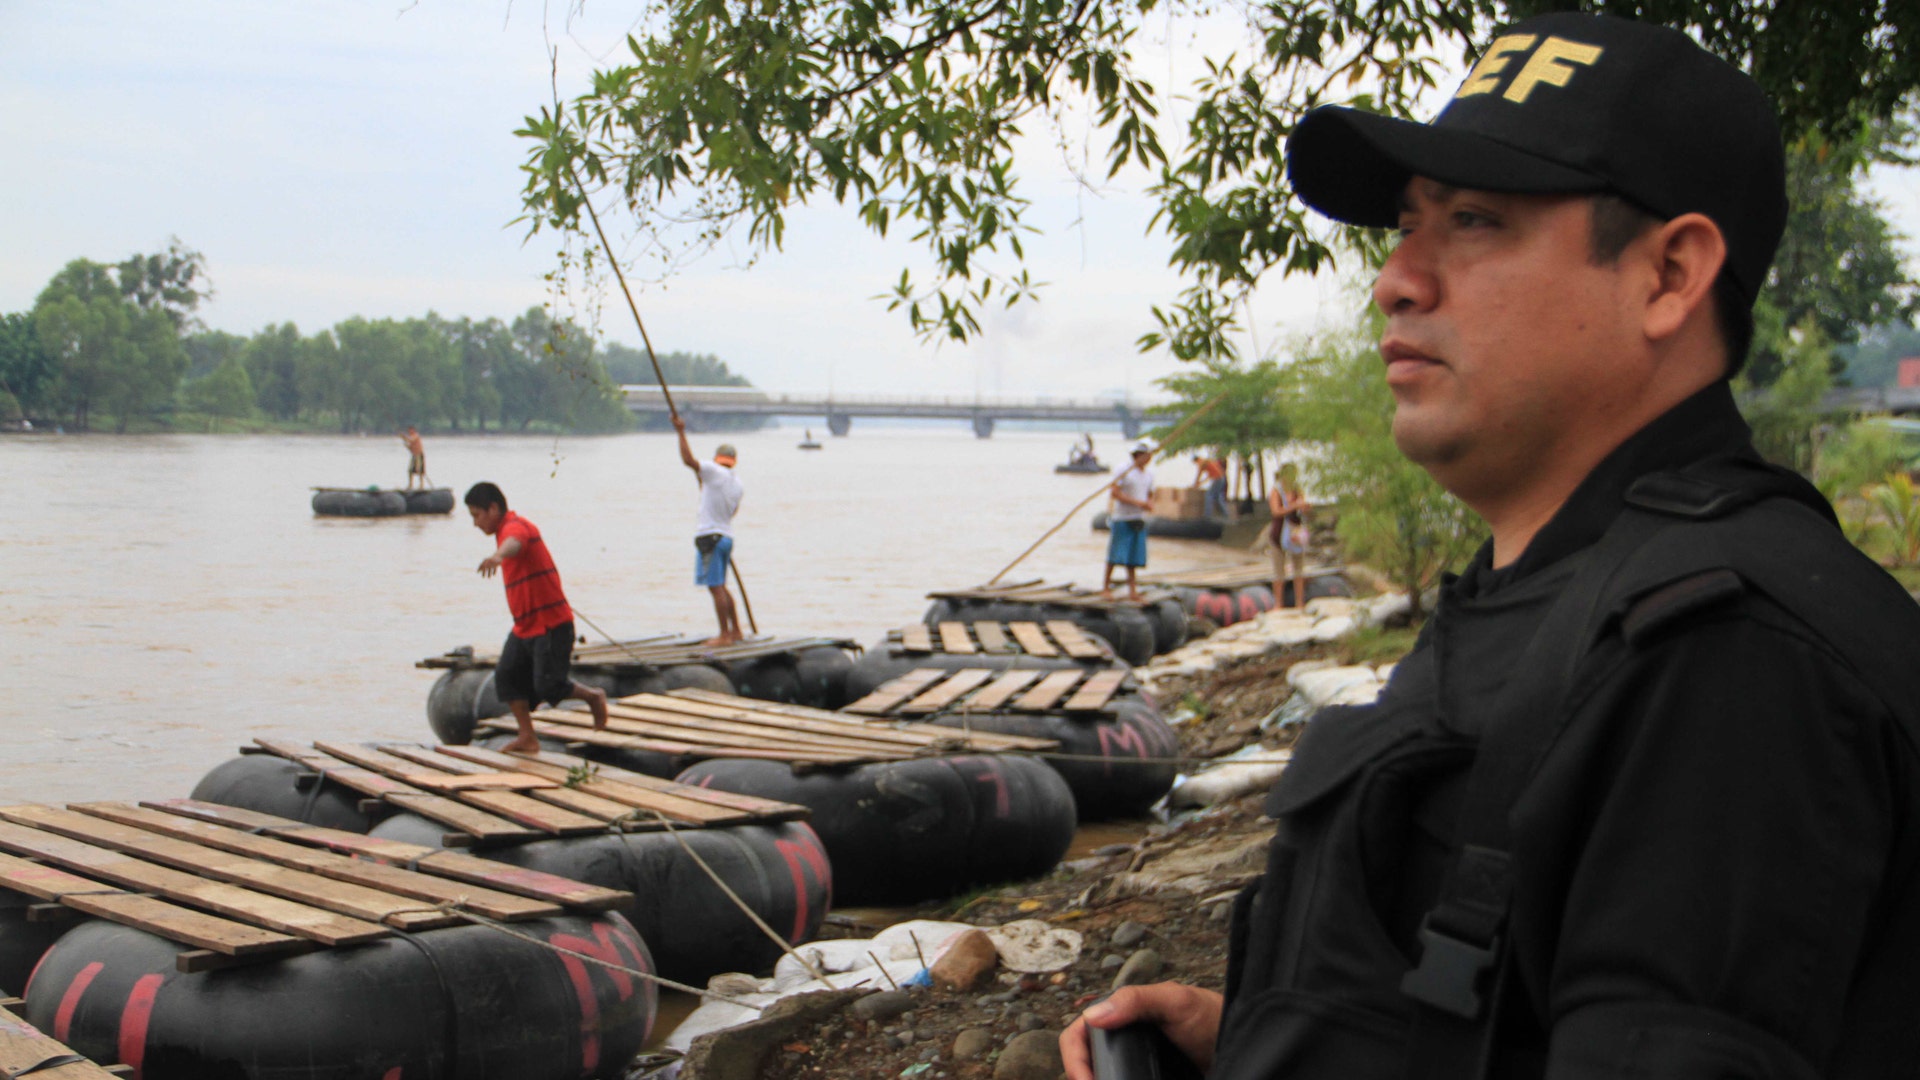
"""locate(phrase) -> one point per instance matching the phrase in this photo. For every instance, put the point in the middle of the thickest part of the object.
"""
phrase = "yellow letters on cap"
(1545, 66)
(1485, 77)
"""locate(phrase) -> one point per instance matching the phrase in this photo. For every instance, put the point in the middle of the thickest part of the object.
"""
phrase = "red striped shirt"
(534, 595)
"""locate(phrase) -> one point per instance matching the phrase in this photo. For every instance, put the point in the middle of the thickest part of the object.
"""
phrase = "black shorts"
(536, 669)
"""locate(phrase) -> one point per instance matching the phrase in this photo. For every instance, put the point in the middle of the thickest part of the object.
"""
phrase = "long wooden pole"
(1178, 429)
(658, 376)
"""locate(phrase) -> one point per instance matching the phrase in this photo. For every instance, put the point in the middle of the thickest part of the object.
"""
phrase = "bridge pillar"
(839, 423)
(1129, 424)
(982, 426)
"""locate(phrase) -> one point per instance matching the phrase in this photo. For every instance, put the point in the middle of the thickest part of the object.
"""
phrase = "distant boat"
(1083, 463)
(809, 444)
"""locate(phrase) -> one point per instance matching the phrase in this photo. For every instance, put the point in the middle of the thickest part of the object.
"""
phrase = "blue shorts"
(1128, 544)
(710, 568)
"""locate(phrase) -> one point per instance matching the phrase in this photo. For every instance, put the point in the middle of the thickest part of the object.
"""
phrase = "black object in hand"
(1138, 1051)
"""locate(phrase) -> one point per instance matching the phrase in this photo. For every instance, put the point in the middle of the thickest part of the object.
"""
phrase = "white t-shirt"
(1135, 484)
(719, 499)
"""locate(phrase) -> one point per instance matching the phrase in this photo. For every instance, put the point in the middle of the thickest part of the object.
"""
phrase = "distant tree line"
(122, 344)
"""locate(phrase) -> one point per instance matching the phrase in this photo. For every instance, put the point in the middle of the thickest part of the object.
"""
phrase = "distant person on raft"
(417, 460)
(536, 663)
(713, 530)
(1132, 493)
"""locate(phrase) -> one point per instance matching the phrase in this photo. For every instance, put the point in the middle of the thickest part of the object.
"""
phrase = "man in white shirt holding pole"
(1127, 520)
(713, 530)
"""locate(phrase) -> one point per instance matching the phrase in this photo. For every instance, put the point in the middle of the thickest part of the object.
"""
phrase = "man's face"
(1505, 345)
(487, 518)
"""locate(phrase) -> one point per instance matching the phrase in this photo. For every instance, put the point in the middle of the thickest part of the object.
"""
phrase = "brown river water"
(165, 599)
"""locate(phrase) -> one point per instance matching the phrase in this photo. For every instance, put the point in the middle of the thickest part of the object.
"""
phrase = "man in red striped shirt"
(536, 662)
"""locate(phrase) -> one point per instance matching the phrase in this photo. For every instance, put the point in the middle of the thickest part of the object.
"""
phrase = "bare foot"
(523, 747)
(1106, 594)
(1135, 596)
(597, 705)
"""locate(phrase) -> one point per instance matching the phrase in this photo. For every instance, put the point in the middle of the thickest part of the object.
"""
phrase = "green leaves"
(907, 111)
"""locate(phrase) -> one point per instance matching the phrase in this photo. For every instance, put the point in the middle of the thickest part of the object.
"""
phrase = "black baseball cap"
(1567, 104)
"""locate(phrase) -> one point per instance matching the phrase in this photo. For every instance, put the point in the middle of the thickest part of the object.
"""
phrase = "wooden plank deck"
(466, 820)
(917, 638)
(996, 693)
(172, 921)
(24, 1049)
(438, 862)
(288, 883)
(234, 902)
(400, 882)
(946, 692)
(895, 691)
(1049, 692)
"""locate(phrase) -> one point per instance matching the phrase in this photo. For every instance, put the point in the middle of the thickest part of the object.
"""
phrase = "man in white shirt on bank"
(713, 530)
(1127, 520)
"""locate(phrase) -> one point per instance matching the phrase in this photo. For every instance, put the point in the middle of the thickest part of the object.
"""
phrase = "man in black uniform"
(1642, 801)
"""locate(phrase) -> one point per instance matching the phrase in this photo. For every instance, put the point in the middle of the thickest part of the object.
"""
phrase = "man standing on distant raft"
(713, 530)
(1127, 520)
(417, 463)
(536, 663)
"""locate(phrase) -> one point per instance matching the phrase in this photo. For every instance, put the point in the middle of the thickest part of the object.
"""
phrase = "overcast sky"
(334, 158)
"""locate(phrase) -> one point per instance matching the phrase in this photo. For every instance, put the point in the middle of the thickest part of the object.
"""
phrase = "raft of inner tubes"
(1137, 632)
(694, 931)
(1116, 764)
(378, 502)
(815, 676)
(465, 1001)
(1173, 528)
(1224, 607)
(899, 832)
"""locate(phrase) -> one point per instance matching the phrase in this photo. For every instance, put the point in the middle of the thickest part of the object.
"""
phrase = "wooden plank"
(996, 693)
(746, 717)
(439, 808)
(552, 817)
(392, 879)
(499, 781)
(1032, 639)
(436, 861)
(674, 805)
(271, 912)
(719, 738)
(761, 809)
(947, 692)
(577, 732)
(552, 789)
(917, 638)
(1051, 689)
(22, 1046)
(1074, 640)
(285, 882)
(1093, 695)
(993, 637)
(954, 639)
(894, 691)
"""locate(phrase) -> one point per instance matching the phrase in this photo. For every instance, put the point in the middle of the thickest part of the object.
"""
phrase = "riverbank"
(1152, 909)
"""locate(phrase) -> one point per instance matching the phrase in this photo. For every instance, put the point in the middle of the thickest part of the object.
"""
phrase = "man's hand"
(490, 565)
(679, 423)
(1189, 1015)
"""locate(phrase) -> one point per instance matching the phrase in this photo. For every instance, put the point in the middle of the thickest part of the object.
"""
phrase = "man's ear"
(1685, 256)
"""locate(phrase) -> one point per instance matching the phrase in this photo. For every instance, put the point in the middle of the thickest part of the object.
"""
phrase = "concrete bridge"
(839, 410)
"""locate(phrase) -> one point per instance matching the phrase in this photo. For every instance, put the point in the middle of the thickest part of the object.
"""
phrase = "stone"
(741, 1053)
(1029, 945)
(1128, 934)
(967, 964)
(972, 1043)
(1030, 1022)
(1112, 961)
(883, 1006)
(1144, 966)
(1030, 1055)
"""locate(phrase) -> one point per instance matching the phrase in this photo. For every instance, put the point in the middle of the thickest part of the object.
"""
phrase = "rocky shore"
(980, 988)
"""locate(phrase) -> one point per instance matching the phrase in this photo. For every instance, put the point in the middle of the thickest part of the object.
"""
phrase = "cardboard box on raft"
(1179, 504)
